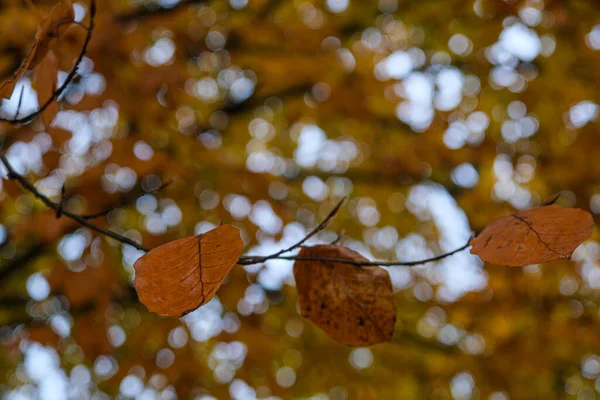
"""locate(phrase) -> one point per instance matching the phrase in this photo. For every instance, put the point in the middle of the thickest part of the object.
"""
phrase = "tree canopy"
(340, 199)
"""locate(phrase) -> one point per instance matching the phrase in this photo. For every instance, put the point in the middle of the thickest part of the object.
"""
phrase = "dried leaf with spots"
(354, 305)
(46, 76)
(50, 29)
(533, 236)
(180, 276)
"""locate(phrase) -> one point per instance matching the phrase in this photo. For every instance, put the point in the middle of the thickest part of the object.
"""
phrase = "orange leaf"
(533, 236)
(46, 76)
(51, 28)
(180, 276)
(353, 305)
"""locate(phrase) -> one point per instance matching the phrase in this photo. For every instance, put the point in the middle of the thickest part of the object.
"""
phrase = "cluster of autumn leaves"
(42, 59)
(352, 303)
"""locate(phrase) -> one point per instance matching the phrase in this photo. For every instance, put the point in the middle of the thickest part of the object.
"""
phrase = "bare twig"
(250, 260)
(338, 238)
(12, 174)
(253, 260)
(20, 102)
(125, 202)
(552, 199)
(319, 228)
(56, 94)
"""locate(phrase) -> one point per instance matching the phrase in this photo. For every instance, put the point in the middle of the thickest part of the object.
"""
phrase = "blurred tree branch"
(12, 174)
(19, 261)
(144, 12)
(125, 202)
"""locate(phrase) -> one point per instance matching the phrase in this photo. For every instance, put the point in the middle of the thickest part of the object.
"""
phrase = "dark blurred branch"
(143, 12)
(125, 202)
(16, 263)
(56, 94)
(253, 102)
(12, 174)
(62, 201)
(269, 8)
(414, 339)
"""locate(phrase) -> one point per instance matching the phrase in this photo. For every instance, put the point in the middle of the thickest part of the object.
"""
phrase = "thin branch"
(552, 199)
(319, 228)
(20, 101)
(125, 202)
(338, 238)
(12, 174)
(56, 94)
(252, 260)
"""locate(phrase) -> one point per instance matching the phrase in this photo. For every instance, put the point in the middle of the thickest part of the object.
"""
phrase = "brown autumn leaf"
(533, 236)
(46, 76)
(180, 276)
(50, 29)
(354, 305)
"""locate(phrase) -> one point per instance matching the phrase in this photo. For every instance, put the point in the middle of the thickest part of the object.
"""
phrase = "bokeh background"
(432, 117)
